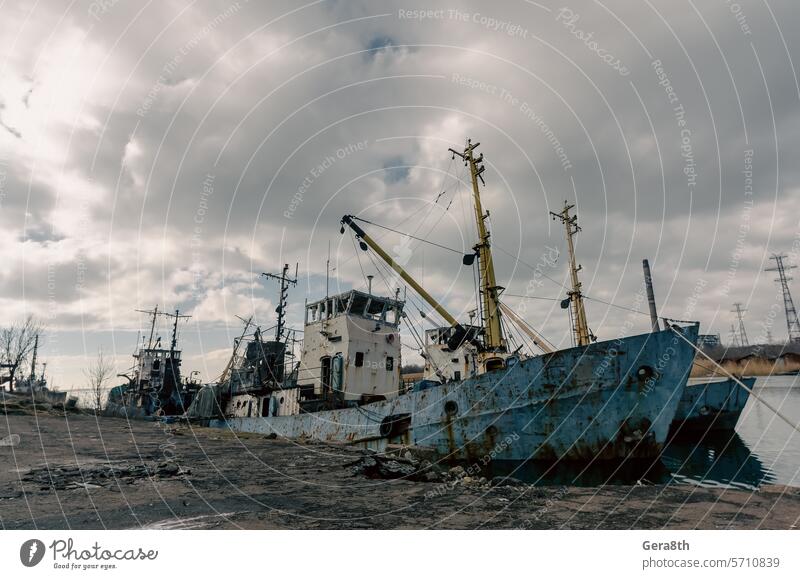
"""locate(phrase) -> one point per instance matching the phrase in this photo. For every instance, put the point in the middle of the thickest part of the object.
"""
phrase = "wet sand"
(84, 472)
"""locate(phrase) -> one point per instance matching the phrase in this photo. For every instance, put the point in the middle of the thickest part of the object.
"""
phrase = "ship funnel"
(651, 299)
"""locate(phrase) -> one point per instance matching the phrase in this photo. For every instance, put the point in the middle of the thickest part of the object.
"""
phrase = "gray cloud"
(169, 154)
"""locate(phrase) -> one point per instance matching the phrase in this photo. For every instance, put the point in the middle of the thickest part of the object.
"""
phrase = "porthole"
(451, 408)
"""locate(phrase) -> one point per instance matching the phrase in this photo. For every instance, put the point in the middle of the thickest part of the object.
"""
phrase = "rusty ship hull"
(710, 406)
(609, 400)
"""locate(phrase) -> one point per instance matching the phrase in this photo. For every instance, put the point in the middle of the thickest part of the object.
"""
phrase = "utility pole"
(737, 309)
(792, 323)
(285, 282)
(583, 336)
(490, 291)
(33, 359)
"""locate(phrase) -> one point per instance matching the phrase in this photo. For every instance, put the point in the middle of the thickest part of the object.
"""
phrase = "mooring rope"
(735, 379)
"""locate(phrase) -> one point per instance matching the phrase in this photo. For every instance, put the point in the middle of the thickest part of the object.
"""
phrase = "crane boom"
(364, 237)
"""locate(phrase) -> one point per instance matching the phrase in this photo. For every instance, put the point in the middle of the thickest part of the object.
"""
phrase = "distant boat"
(707, 406)
(155, 386)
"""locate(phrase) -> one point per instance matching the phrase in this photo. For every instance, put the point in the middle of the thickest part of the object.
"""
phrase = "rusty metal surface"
(714, 405)
(608, 400)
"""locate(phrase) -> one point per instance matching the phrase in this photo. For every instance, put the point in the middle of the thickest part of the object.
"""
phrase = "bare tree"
(16, 344)
(98, 374)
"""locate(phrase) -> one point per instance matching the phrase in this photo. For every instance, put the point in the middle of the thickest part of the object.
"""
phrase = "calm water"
(763, 450)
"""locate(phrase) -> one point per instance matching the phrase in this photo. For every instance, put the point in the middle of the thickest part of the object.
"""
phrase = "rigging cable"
(409, 235)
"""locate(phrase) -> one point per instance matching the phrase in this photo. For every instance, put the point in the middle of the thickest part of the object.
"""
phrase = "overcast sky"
(169, 153)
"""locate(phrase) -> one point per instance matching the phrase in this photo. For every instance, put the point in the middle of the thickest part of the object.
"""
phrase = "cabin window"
(457, 375)
(359, 359)
(156, 364)
(389, 363)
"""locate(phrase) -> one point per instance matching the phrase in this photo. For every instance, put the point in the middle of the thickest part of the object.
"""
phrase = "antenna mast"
(737, 309)
(792, 323)
(174, 341)
(490, 291)
(285, 282)
(583, 336)
(153, 314)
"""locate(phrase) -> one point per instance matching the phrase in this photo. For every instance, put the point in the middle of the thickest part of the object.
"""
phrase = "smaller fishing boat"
(708, 406)
(154, 385)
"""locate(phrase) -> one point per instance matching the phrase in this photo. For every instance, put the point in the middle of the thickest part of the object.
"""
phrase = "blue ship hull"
(609, 400)
(710, 406)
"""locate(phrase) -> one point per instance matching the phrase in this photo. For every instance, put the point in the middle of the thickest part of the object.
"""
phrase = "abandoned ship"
(479, 397)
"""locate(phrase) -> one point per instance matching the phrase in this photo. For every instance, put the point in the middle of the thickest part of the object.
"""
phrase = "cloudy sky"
(169, 152)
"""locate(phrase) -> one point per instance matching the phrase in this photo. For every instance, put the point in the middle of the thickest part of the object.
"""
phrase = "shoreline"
(86, 472)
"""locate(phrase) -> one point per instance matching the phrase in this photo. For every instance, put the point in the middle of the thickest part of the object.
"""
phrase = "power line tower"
(792, 323)
(737, 309)
(732, 337)
(285, 282)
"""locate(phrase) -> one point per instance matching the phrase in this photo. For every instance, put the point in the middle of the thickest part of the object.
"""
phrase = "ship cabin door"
(325, 374)
(337, 373)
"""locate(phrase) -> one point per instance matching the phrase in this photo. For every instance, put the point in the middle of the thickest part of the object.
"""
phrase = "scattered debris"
(506, 481)
(396, 465)
(10, 440)
(92, 476)
(13, 404)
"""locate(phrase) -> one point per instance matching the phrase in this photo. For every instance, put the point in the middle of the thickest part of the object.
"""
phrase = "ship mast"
(583, 336)
(153, 315)
(285, 282)
(177, 315)
(490, 291)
